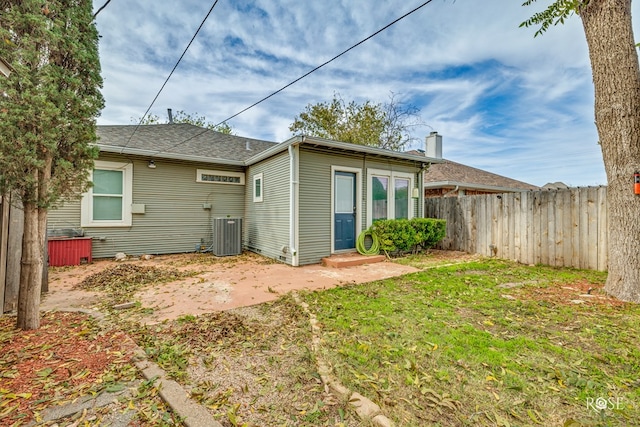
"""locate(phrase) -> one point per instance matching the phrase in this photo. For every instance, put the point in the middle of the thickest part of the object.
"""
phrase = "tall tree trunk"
(616, 78)
(33, 241)
(31, 270)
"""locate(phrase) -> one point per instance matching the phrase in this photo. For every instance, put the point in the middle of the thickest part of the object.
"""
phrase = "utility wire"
(326, 63)
(100, 10)
(303, 76)
(170, 74)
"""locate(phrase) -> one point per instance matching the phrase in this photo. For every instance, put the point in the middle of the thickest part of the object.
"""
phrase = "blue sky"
(503, 101)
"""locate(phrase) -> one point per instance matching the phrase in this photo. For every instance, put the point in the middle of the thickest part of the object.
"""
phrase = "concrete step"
(350, 259)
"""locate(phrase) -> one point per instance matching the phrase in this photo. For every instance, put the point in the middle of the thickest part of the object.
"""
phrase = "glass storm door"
(344, 214)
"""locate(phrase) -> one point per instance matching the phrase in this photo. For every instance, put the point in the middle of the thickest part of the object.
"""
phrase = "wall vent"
(227, 236)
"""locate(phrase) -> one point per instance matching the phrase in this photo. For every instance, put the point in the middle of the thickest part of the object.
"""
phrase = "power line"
(170, 74)
(326, 63)
(100, 10)
(303, 76)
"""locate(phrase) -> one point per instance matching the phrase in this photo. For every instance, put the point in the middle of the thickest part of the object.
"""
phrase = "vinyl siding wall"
(267, 222)
(315, 196)
(174, 220)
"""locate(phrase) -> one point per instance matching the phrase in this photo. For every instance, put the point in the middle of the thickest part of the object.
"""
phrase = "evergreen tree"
(48, 108)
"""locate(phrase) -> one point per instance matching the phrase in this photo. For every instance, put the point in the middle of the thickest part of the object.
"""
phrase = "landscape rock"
(124, 306)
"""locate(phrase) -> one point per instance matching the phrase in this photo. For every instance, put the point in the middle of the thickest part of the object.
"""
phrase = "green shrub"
(430, 231)
(402, 235)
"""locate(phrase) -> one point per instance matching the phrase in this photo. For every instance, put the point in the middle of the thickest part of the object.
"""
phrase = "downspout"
(451, 191)
(421, 195)
(424, 167)
(293, 201)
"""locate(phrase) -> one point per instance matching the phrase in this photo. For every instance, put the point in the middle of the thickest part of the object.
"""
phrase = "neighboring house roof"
(558, 185)
(189, 142)
(450, 174)
(180, 141)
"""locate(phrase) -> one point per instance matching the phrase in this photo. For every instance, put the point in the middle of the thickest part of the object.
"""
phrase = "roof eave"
(342, 146)
(272, 151)
(173, 156)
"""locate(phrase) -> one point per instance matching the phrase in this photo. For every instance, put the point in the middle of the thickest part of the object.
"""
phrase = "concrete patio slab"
(234, 282)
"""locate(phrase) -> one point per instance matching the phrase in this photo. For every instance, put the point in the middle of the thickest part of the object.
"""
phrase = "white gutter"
(160, 155)
(339, 145)
(293, 202)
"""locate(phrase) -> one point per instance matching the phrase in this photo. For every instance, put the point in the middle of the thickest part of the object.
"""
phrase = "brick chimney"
(433, 145)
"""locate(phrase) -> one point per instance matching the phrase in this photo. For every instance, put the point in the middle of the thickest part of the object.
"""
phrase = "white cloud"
(503, 100)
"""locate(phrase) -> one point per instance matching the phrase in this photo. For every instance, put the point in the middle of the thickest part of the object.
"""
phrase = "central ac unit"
(227, 236)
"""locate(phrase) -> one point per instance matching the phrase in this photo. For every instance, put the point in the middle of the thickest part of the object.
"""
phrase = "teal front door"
(344, 211)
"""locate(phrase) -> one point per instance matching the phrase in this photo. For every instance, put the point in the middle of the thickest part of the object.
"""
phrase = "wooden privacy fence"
(11, 227)
(553, 227)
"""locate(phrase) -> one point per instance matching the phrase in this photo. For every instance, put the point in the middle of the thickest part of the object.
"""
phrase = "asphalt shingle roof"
(181, 139)
(459, 174)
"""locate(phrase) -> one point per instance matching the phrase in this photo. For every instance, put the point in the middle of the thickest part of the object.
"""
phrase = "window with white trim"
(108, 201)
(258, 188)
(389, 195)
(219, 177)
(379, 197)
(401, 198)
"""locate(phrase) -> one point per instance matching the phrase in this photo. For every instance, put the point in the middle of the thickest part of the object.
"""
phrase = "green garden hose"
(375, 245)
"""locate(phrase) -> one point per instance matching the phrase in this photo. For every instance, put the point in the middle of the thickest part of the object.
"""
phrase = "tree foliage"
(193, 119)
(378, 125)
(51, 99)
(556, 13)
(48, 109)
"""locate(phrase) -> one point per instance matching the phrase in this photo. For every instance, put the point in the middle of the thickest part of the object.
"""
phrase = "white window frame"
(391, 188)
(86, 210)
(200, 172)
(256, 178)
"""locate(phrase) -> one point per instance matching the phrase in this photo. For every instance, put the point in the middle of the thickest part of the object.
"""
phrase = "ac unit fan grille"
(227, 236)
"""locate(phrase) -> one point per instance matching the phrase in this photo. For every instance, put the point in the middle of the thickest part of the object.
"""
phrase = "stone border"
(190, 413)
(365, 408)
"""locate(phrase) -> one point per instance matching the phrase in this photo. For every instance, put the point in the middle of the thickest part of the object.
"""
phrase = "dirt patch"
(66, 358)
(437, 258)
(576, 293)
(127, 275)
(119, 283)
(243, 361)
(450, 256)
(249, 366)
